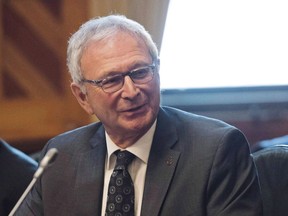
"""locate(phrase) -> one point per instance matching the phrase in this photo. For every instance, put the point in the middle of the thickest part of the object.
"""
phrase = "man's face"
(131, 110)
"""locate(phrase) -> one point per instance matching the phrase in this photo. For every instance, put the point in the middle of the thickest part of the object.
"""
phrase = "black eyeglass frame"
(99, 83)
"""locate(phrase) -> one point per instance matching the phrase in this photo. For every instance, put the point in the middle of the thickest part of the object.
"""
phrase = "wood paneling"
(42, 22)
(36, 103)
(1, 51)
(150, 13)
(35, 98)
(26, 75)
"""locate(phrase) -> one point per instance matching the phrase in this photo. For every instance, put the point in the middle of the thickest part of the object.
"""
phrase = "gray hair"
(98, 29)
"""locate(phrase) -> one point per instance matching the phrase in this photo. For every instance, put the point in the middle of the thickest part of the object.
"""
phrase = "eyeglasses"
(114, 83)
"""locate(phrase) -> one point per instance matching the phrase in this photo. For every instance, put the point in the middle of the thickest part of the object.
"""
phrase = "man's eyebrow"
(132, 67)
(139, 64)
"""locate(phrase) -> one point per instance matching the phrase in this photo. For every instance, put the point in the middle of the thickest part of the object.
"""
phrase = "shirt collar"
(140, 149)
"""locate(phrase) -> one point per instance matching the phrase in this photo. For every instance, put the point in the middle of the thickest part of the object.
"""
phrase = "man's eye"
(112, 80)
(141, 73)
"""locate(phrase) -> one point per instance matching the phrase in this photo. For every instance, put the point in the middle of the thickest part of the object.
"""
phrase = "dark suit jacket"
(16, 172)
(197, 166)
(272, 166)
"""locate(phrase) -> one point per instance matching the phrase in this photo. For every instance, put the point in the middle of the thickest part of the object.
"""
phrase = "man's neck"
(123, 141)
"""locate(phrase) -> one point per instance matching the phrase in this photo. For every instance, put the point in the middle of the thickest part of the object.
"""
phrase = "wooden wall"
(35, 99)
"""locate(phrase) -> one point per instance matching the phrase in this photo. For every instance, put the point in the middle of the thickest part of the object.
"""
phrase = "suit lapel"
(161, 166)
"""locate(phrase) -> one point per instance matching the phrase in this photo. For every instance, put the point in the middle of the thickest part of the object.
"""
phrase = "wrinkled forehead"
(118, 43)
(120, 52)
(114, 37)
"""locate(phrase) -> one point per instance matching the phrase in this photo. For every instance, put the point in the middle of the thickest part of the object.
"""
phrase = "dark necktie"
(120, 200)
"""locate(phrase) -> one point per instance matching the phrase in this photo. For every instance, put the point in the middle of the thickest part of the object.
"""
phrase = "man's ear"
(81, 98)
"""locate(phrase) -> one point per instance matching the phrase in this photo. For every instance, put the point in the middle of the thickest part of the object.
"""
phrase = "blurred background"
(35, 99)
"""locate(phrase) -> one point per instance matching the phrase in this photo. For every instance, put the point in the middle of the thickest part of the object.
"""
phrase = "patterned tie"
(120, 200)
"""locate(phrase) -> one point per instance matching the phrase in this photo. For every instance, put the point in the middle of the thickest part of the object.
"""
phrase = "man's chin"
(138, 125)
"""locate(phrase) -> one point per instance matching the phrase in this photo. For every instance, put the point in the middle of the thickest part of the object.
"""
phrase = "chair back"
(272, 168)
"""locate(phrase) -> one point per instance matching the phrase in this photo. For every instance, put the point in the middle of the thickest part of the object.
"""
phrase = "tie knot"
(124, 158)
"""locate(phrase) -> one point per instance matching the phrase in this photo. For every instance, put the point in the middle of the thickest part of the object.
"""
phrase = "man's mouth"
(134, 109)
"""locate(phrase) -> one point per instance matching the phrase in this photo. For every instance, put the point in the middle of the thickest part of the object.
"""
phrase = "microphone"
(45, 162)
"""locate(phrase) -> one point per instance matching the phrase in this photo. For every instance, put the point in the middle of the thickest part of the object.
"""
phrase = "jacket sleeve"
(233, 188)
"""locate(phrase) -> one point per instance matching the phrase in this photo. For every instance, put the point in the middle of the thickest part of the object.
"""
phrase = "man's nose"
(129, 89)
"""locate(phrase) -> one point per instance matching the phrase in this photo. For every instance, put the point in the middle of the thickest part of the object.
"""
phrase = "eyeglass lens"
(138, 76)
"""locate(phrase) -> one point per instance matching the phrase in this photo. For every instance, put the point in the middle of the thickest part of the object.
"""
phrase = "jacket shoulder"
(75, 139)
(190, 119)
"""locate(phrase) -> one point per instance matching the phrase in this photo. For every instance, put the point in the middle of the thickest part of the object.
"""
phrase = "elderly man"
(141, 158)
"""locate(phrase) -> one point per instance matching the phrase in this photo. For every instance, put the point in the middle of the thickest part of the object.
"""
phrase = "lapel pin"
(169, 161)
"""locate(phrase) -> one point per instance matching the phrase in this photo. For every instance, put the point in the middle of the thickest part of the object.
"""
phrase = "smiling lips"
(135, 109)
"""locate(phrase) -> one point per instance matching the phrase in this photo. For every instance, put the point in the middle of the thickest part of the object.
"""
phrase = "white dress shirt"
(137, 168)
